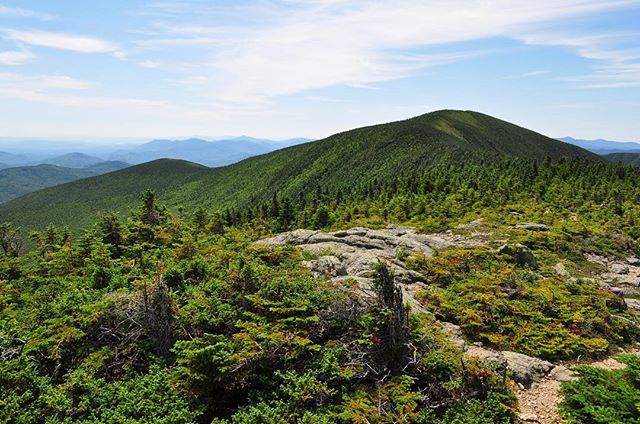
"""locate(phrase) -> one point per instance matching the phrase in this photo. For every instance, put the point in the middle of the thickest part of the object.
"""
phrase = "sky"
(135, 69)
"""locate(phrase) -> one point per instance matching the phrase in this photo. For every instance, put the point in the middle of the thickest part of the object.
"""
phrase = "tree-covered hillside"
(17, 181)
(626, 158)
(169, 311)
(150, 317)
(342, 161)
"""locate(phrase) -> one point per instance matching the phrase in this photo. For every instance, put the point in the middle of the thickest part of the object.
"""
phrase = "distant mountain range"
(20, 174)
(73, 160)
(348, 159)
(217, 152)
(17, 181)
(602, 147)
(209, 153)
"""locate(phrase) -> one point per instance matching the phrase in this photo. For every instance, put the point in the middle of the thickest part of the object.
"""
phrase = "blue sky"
(285, 68)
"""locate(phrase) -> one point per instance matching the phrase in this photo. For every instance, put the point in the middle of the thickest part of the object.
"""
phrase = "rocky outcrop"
(353, 253)
(619, 269)
(621, 277)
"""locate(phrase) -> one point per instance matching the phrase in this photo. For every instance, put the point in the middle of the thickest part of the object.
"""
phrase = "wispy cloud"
(43, 82)
(149, 64)
(25, 13)
(16, 57)
(311, 44)
(61, 90)
(616, 65)
(60, 41)
(530, 74)
(324, 99)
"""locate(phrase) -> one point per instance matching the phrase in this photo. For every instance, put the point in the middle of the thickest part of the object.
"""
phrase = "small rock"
(532, 226)
(526, 369)
(633, 261)
(561, 270)
(528, 418)
(619, 269)
(562, 374)
(408, 276)
(472, 224)
(633, 304)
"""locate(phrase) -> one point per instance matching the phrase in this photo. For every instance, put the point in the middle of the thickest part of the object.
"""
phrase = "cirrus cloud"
(60, 41)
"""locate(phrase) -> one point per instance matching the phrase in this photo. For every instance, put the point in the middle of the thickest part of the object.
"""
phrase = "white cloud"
(61, 90)
(149, 64)
(78, 101)
(16, 57)
(530, 74)
(43, 82)
(311, 44)
(60, 41)
(324, 99)
(616, 66)
(24, 13)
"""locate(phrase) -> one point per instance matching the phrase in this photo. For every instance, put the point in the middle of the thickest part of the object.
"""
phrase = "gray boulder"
(532, 226)
(633, 304)
(562, 374)
(633, 261)
(620, 269)
(561, 270)
(526, 369)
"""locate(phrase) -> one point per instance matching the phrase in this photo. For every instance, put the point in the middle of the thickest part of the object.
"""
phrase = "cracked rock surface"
(354, 252)
(351, 254)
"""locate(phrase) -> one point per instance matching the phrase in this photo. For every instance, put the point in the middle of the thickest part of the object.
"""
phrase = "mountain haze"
(603, 146)
(342, 160)
(209, 153)
(72, 160)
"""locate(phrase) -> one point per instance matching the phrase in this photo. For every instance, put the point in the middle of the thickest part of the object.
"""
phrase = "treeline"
(446, 193)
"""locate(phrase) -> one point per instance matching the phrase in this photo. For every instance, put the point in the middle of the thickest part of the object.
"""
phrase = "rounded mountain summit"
(340, 161)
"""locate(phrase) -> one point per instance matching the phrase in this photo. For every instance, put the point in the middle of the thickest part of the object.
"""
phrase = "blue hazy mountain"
(72, 160)
(205, 152)
(602, 147)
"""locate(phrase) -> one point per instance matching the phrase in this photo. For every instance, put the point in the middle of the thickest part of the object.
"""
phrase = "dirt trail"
(539, 404)
(351, 254)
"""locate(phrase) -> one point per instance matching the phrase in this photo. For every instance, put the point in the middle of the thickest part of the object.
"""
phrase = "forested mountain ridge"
(626, 158)
(20, 180)
(276, 290)
(344, 160)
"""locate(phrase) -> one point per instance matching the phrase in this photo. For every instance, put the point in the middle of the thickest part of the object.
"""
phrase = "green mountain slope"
(342, 160)
(625, 158)
(15, 182)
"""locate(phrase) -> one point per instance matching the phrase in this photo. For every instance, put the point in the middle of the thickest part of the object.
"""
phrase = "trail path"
(351, 254)
(539, 404)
